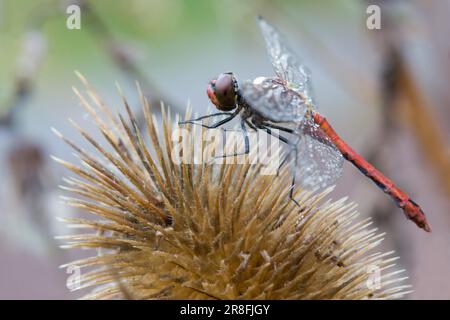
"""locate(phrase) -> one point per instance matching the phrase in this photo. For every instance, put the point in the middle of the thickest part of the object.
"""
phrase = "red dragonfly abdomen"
(411, 209)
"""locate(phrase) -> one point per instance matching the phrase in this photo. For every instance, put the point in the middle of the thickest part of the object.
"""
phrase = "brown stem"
(421, 120)
(120, 56)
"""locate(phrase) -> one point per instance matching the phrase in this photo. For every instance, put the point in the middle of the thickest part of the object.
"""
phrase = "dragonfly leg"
(283, 162)
(274, 126)
(293, 147)
(291, 192)
(250, 125)
(246, 143)
(283, 139)
(289, 143)
(213, 126)
(247, 122)
(190, 121)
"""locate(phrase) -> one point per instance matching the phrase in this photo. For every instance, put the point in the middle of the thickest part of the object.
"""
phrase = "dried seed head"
(196, 231)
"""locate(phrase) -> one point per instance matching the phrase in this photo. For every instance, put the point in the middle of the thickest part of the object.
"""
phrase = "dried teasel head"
(202, 231)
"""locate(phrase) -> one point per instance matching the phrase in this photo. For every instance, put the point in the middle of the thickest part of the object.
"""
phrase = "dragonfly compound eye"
(222, 92)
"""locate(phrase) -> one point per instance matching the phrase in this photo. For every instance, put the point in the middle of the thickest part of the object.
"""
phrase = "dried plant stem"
(118, 53)
(421, 120)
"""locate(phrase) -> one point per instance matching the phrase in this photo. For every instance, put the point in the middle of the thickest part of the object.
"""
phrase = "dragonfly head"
(223, 91)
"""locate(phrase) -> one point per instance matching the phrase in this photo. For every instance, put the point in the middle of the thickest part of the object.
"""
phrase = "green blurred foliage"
(159, 28)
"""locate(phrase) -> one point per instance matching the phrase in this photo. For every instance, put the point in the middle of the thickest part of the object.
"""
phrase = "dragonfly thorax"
(223, 91)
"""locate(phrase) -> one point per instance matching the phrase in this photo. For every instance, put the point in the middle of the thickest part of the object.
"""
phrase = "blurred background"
(385, 91)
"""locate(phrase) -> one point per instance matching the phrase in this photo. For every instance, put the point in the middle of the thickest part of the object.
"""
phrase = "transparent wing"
(319, 162)
(285, 62)
(272, 100)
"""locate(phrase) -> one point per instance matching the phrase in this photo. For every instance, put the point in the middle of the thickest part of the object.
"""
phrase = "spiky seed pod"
(186, 231)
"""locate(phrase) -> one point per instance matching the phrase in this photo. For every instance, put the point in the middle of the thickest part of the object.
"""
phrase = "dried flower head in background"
(198, 231)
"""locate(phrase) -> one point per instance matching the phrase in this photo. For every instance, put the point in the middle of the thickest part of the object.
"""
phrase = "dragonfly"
(284, 103)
